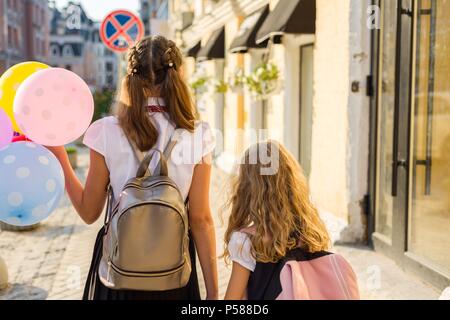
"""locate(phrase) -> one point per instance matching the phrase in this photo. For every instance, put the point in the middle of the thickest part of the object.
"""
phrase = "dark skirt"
(95, 290)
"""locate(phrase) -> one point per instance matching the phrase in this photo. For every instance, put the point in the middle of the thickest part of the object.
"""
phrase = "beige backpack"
(146, 241)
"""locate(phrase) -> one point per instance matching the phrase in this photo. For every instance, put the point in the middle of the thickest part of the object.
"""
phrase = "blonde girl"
(271, 214)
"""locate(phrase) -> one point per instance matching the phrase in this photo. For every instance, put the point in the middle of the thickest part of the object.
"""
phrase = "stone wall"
(340, 121)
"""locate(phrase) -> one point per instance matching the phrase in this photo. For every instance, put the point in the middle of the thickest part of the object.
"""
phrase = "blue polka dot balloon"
(31, 183)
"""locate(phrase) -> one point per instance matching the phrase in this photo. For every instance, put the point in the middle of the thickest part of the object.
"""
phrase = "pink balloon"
(6, 129)
(53, 107)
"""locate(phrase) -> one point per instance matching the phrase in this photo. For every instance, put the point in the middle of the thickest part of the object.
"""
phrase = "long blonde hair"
(276, 207)
(154, 65)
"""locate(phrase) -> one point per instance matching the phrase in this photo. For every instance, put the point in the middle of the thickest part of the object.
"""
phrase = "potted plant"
(73, 158)
(238, 81)
(220, 87)
(264, 81)
(200, 84)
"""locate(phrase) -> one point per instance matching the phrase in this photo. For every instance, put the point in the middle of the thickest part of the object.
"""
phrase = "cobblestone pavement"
(52, 261)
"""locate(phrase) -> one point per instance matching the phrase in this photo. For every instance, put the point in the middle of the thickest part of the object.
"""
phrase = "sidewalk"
(52, 262)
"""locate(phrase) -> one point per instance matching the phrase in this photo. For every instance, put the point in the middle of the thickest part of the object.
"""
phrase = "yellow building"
(362, 107)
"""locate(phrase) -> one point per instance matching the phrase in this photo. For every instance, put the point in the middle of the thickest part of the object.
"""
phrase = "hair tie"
(133, 72)
(169, 65)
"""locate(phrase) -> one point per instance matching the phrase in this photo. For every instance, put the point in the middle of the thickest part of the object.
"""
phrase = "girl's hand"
(59, 152)
(89, 200)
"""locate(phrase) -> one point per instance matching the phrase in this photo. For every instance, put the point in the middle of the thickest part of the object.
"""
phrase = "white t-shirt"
(240, 247)
(107, 138)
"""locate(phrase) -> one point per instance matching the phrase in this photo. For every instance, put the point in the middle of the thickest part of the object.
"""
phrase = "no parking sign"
(121, 29)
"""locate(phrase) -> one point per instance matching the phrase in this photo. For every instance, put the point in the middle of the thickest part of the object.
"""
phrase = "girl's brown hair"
(154, 68)
(277, 208)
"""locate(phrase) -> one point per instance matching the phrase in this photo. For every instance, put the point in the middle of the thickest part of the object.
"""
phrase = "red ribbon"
(156, 109)
(20, 138)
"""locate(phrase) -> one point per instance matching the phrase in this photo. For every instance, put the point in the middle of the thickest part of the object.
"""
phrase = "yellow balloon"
(10, 82)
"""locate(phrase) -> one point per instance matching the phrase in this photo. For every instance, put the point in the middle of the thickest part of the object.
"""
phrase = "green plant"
(264, 80)
(103, 101)
(238, 80)
(71, 150)
(199, 85)
(221, 87)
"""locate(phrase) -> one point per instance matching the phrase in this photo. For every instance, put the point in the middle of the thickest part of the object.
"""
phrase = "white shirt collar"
(156, 101)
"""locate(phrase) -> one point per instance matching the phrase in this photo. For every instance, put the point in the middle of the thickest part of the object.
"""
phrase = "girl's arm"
(238, 283)
(202, 227)
(90, 200)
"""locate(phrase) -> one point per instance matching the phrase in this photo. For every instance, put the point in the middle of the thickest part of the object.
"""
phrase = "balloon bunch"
(51, 107)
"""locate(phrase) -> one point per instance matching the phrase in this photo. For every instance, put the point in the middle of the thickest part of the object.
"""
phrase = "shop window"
(67, 51)
(16, 38)
(54, 50)
(10, 36)
(387, 78)
(410, 131)
(429, 224)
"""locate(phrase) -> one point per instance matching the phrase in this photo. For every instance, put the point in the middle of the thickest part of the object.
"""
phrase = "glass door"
(386, 106)
(410, 163)
(429, 220)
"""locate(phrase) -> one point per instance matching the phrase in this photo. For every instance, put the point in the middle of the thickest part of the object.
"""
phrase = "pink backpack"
(303, 275)
(329, 277)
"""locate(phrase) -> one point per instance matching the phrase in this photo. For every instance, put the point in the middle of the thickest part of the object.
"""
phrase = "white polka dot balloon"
(53, 107)
(31, 184)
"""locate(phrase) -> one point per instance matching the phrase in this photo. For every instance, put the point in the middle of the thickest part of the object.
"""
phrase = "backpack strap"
(109, 204)
(145, 158)
(137, 153)
(170, 146)
(162, 167)
(144, 171)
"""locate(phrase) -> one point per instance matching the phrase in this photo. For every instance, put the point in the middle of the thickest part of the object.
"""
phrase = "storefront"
(314, 111)
(410, 137)
(288, 30)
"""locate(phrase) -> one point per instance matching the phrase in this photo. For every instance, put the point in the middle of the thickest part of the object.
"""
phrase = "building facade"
(75, 45)
(106, 63)
(340, 99)
(24, 32)
(37, 29)
(311, 57)
(154, 15)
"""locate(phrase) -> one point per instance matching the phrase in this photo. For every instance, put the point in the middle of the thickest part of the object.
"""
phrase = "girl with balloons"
(155, 106)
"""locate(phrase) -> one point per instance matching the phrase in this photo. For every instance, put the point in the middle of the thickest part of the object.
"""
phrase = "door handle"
(398, 163)
(427, 164)
(402, 91)
(402, 163)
